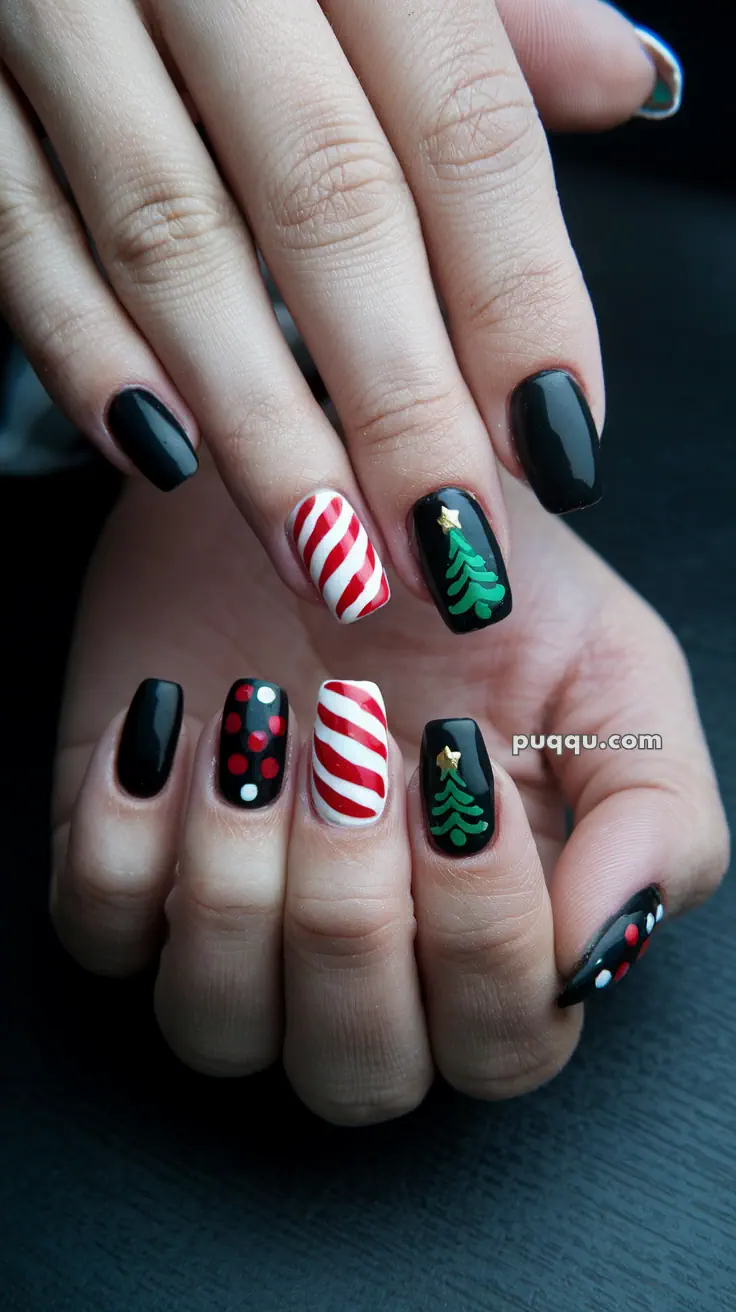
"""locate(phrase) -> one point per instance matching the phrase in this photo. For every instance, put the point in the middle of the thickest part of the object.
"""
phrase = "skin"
(364, 958)
(373, 153)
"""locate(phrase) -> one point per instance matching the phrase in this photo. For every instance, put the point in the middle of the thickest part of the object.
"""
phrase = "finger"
(182, 263)
(355, 1048)
(336, 223)
(485, 935)
(453, 101)
(115, 861)
(585, 63)
(218, 992)
(650, 832)
(57, 303)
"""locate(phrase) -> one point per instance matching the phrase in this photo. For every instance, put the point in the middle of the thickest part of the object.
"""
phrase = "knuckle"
(517, 1067)
(407, 414)
(486, 125)
(337, 188)
(223, 910)
(347, 930)
(540, 294)
(505, 944)
(26, 212)
(165, 231)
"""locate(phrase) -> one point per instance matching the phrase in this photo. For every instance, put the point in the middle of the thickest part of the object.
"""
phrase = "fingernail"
(556, 441)
(253, 738)
(615, 947)
(350, 753)
(666, 97)
(457, 787)
(338, 555)
(149, 737)
(460, 560)
(150, 436)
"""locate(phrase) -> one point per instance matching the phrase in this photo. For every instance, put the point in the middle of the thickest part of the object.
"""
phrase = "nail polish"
(457, 787)
(338, 556)
(616, 946)
(150, 436)
(460, 560)
(556, 441)
(149, 737)
(349, 772)
(666, 97)
(253, 738)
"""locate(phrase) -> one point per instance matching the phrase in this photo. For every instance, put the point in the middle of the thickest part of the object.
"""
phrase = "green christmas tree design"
(470, 580)
(454, 803)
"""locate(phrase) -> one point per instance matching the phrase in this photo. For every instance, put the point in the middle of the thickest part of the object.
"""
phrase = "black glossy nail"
(147, 432)
(461, 561)
(457, 787)
(616, 946)
(253, 736)
(149, 738)
(556, 441)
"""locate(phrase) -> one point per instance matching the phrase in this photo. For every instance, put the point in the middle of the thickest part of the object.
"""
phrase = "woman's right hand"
(369, 149)
(370, 954)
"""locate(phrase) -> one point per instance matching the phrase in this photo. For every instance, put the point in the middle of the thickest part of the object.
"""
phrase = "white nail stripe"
(356, 792)
(352, 751)
(350, 710)
(330, 539)
(321, 499)
(334, 817)
(371, 588)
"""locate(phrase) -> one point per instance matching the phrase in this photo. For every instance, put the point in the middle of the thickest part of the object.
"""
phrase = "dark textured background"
(128, 1184)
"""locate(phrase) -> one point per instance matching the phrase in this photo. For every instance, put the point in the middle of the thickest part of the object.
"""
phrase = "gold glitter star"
(448, 760)
(449, 519)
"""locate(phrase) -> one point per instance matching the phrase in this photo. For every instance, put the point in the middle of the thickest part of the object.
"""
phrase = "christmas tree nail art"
(457, 787)
(460, 560)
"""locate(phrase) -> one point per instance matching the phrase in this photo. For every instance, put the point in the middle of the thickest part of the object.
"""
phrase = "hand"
(402, 954)
(335, 133)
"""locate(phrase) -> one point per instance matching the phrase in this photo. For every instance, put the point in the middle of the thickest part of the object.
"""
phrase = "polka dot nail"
(616, 947)
(253, 737)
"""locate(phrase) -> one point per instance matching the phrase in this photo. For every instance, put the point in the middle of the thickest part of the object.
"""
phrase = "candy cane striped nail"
(350, 753)
(338, 555)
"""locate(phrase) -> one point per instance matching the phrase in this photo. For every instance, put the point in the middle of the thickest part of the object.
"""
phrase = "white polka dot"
(266, 695)
(602, 978)
(249, 792)
(660, 911)
(650, 923)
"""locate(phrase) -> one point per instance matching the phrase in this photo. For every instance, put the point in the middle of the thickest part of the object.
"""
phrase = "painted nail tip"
(149, 737)
(457, 787)
(152, 438)
(254, 733)
(556, 441)
(616, 947)
(337, 555)
(666, 98)
(460, 560)
(350, 751)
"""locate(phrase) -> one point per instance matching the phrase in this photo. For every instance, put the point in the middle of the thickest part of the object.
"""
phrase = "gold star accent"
(448, 760)
(449, 519)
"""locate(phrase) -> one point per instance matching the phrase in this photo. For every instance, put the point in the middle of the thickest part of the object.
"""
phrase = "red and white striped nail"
(350, 753)
(338, 555)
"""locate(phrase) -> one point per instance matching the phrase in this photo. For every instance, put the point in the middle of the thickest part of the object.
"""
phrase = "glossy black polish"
(556, 441)
(150, 436)
(149, 738)
(253, 738)
(457, 787)
(616, 947)
(460, 560)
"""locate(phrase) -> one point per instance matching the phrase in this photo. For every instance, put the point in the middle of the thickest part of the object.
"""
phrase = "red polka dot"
(269, 767)
(237, 764)
(233, 722)
(277, 725)
(244, 692)
(631, 934)
(257, 740)
(644, 946)
(621, 970)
